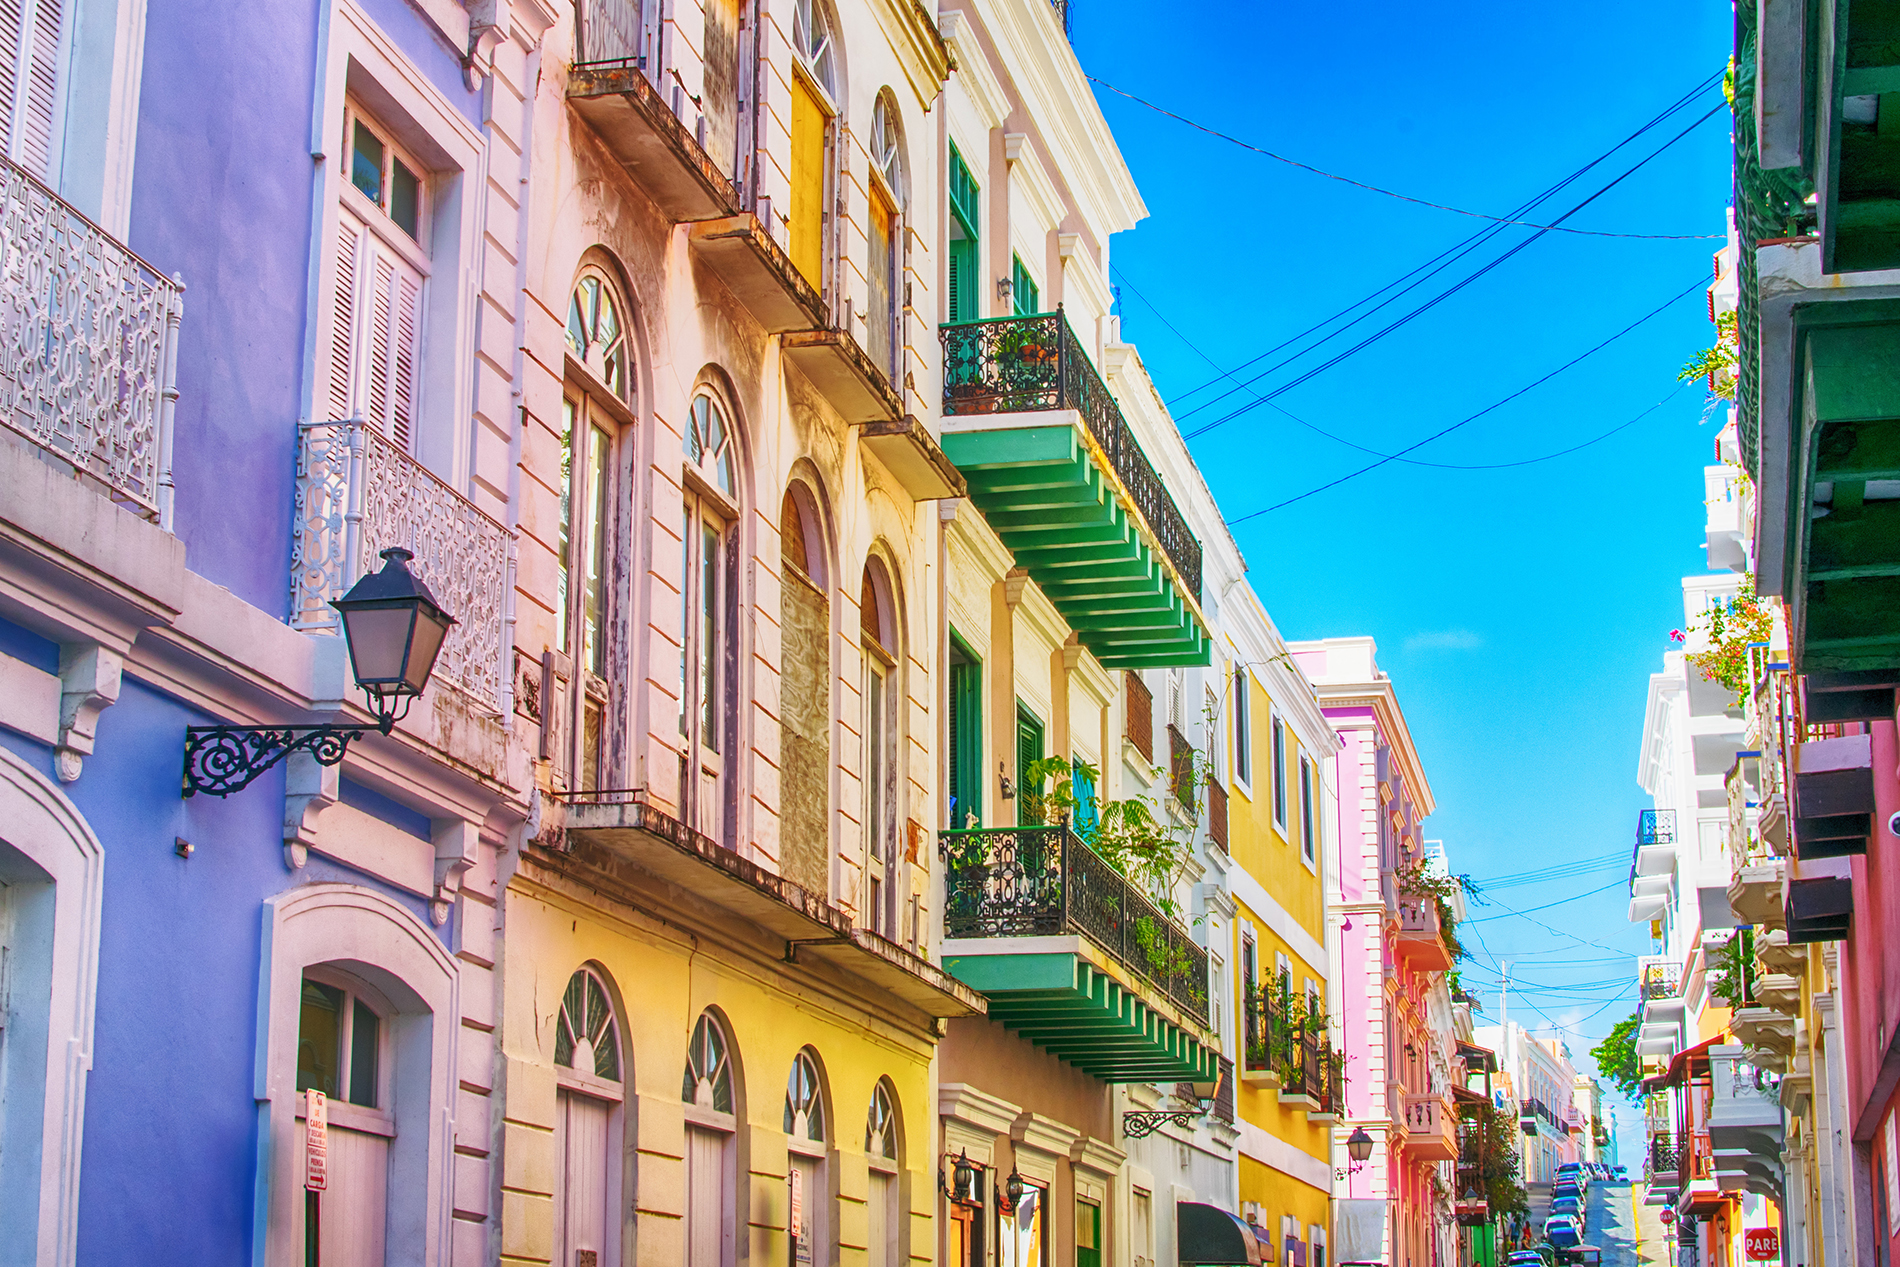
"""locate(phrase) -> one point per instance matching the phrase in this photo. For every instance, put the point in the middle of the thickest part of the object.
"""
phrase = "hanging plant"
(1731, 625)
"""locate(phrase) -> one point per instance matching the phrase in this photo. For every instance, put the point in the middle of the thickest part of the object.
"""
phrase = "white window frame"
(1277, 791)
(320, 924)
(587, 1083)
(715, 1122)
(366, 65)
(1309, 813)
(39, 1197)
(1242, 683)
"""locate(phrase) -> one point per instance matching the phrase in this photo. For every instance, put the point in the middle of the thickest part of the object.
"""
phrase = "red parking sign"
(1762, 1244)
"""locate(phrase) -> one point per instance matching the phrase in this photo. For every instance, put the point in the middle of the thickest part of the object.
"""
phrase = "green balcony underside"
(1079, 1014)
(1041, 491)
(1850, 582)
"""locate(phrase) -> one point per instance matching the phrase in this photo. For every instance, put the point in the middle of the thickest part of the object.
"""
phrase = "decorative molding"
(1044, 202)
(310, 787)
(50, 832)
(458, 845)
(1040, 1143)
(973, 70)
(89, 677)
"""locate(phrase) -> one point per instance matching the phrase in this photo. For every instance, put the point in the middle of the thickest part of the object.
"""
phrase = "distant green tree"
(1616, 1056)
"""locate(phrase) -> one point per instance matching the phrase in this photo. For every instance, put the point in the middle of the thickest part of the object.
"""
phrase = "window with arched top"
(808, 1173)
(816, 90)
(588, 1123)
(597, 333)
(578, 705)
(877, 621)
(709, 600)
(884, 268)
(805, 693)
(883, 1245)
(711, 1149)
(586, 1036)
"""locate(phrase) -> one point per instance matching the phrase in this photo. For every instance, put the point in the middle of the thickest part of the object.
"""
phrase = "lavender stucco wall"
(222, 195)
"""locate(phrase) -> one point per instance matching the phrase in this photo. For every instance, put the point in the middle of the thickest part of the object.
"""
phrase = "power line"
(1509, 914)
(1458, 250)
(1425, 307)
(1491, 466)
(1698, 284)
(1389, 193)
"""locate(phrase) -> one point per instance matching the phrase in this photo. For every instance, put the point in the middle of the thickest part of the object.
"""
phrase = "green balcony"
(1857, 169)
(1073, 957)
(1056, 471)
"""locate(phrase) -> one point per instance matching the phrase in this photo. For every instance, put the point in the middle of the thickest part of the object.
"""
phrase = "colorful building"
(1395, 949)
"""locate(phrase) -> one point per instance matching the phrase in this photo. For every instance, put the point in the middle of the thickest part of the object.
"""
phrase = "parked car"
(1571, 1206)
(1563, 1231)
(1526, 1258)
(1566, 1190)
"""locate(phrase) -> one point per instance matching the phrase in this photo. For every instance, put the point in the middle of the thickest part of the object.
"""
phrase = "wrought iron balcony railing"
(358, 494)
(1664, 1158)
(1656, 827)
(1044, 882)
(1264, 1028)
(1029, 364)
(88, 347)
(1661, 979)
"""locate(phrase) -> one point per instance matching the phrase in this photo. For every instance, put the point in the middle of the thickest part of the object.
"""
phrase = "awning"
(1679, 1064)
(1461, 1095)
(1208, 1236)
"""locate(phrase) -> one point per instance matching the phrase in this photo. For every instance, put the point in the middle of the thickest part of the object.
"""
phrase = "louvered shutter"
(345, 303)
(31, 75)
(393, 322)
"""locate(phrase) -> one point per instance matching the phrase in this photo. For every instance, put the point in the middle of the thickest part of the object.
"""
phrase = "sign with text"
(1762, 1244)
(316, 1141)
(799, 1234)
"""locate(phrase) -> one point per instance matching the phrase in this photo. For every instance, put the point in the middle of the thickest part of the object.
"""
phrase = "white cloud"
(1445, 640)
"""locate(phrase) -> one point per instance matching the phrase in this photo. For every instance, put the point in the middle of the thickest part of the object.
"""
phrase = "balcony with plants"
(1057, 472)
(1287, 1047)
(1427, 937)
(89, 377)
(1066, 924)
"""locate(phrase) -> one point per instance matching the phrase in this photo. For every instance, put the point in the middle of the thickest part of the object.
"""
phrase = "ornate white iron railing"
(88, 346)
(359, 494)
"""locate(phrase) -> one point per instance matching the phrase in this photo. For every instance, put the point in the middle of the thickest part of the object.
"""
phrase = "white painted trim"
(39, 1192)
(1256, 898)
(371, 937)
(973, 71)
(97, 131)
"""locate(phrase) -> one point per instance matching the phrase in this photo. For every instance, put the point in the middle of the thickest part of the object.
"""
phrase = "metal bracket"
(220, 760)
(1141, 1124)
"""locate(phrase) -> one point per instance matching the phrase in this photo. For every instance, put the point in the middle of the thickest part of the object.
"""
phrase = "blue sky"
(1518, 611)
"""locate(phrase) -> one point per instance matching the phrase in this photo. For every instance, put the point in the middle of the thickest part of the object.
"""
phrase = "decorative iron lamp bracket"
(1141, 1123)
(394, 629)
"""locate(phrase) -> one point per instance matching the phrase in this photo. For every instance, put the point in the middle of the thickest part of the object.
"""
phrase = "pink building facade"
(1391, 1007)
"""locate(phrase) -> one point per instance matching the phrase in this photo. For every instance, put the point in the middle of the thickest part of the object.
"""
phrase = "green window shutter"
(966, 740)
(963, 191)
(1028, 748)
(963, 284)
(1023, 288)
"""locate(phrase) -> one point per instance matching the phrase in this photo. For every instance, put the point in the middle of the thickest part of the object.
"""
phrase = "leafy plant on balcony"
(1732, 979)
(1719, 364)
(1130, 835)
(1731, 625)
(1420, 879)
(1166, 957)
(1617, 1059)
(1498, 1165)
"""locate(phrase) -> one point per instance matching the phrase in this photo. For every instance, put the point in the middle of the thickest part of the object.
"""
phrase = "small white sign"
(801, 1245)
(316, 1141)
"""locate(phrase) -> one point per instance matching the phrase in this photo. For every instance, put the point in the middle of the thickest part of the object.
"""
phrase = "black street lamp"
(1359, 1148)
(394, 629)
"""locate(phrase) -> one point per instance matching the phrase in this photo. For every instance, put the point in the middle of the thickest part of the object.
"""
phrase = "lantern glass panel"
(431, 629)
(379, 643)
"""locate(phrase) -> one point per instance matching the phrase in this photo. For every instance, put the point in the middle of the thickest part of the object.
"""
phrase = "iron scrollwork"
(1139, 1124)
(221, 760)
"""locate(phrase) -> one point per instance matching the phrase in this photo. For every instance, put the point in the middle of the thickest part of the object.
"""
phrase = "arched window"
(575, 719)
(809, 1175)
(815, 94)
(805, 696)
(877, 619)
(709, 619)
(586, 1035)
(597, 336)
(884, 270)
(587, 1124)
(711, 1155)
(884, 1243)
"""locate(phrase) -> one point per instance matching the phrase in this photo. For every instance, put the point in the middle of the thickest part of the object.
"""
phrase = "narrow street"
(1629, 1233)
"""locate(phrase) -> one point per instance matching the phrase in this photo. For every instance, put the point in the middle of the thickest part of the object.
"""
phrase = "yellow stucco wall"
(663, 977)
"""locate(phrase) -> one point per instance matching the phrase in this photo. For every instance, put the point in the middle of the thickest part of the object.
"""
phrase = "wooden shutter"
(346, 272)
(31, 80)
(808, 181)
(393, 320)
